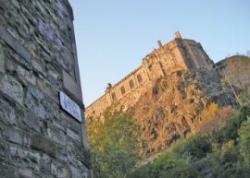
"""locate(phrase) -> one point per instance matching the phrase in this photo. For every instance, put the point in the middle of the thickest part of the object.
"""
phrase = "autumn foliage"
(214, 117)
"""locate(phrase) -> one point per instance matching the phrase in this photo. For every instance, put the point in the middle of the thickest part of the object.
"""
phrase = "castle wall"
(130, 83)
(97, 108)
(179, 54)
(196, 55)
(38, 138)
(179, 57)
(173, 58)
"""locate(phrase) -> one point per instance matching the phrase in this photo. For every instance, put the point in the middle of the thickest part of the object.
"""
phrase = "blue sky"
(114, 35)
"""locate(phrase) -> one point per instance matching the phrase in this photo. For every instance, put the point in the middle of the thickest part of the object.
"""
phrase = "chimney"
(178, 35)
(159, 43)
(108, 88)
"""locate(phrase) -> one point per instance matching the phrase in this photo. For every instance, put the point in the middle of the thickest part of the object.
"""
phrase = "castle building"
(178, 54)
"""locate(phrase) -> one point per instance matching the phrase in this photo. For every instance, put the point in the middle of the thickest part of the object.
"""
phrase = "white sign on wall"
(70, 106)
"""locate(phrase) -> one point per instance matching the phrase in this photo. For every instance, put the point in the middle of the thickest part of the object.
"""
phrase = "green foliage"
(114, 145)
(230, 132)
(224, 153)
(245, 142)
(193, 148)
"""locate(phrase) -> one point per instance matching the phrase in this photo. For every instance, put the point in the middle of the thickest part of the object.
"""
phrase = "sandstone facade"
(37, 61)
(179, 54)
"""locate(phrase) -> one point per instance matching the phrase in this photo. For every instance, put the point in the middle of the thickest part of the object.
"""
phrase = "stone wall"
(195, 55)
(37, 61)
(178, 54)
(130, 84)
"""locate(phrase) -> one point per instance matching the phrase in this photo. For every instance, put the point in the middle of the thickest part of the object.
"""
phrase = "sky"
(113, 36)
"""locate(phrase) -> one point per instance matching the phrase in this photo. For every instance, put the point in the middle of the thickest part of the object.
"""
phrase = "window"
(113, 96)
(122, 90)
(150, 67)
(139, 78)
(131, 84)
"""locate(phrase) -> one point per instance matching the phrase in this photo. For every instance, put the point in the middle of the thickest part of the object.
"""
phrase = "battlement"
(178, 54)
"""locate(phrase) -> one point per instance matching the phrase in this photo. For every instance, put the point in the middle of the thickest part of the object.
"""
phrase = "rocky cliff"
(171, 106)
(235, 71)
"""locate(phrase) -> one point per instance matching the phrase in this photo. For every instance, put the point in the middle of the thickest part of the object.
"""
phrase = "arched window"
(113, 96)
(150, 67)
(139, 78)
(122, 90)
(131, 84)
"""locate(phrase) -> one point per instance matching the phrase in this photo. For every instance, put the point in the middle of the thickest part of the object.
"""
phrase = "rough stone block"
(73, 135)
(7, 113)
(85, 158)
(60, 170)
(25, 75)
(1, 60)
(14, 44)
(21, 157)
(7, 171)
(30, 121)
(43, 144)
(57, 136)
(45, 164)
(34, 157)
(76, 173)
(47, 89)
(12, 88)
(25, 173)
(16, 136)
(38, 67)
(18, 153)
(10, 66)
(3, 151)
(82, 155)
(54, 74)
(37, 103)
(71, 86)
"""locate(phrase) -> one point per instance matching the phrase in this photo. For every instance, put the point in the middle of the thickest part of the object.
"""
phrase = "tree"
(233, 78)
(114, 144)
(214, 117)
(245, 142)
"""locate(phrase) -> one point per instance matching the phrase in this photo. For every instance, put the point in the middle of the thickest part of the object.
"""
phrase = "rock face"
(172, 106)
(235, 70)
(169, 106)
(37, 61)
